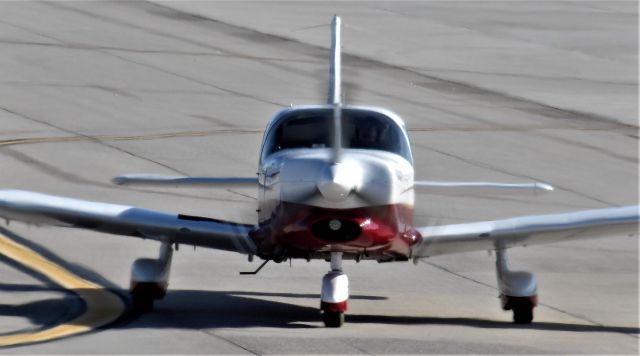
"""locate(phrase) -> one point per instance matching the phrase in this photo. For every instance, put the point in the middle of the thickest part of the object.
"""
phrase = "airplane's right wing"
(45, 209)
(481, 188)
(526, 230)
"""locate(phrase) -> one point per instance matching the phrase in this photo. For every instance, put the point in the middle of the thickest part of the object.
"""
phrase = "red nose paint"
(378, 230)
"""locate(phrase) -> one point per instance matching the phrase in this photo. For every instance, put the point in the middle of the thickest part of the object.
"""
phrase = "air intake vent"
(336, 230)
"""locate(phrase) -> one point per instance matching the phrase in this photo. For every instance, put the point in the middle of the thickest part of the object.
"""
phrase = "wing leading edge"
(526, 230)
(125, 220)
(483, 188)
(161, 180)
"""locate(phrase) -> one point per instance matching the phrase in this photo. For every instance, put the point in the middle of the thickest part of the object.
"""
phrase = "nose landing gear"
(335, 293)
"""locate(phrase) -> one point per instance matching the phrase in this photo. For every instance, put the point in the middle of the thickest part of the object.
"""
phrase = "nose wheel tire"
(333, 319)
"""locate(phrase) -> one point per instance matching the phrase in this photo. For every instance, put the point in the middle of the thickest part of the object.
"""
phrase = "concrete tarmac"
(542, 91)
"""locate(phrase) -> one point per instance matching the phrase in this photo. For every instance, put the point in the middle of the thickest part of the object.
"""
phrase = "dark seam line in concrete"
(86, 47)
(526, 76)
(49, 169)
(207, 332)
(287, 39)
(56, 172)
(490, 167)
(577, 316)
(106, 52)
(355, 347)
(162, 34)
(31, 31)
(231, 53)
(577, 113)
(84, 12)
(502, 35)
(223, 130)
(90, 138)
(166, 71)
(587, 146)
(113, 90)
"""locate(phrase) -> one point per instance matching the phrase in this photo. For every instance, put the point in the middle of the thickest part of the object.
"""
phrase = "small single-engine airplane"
(335, 182)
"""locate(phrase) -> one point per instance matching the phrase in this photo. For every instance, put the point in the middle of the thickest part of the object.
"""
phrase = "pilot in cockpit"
(366, 137)
(369, 136)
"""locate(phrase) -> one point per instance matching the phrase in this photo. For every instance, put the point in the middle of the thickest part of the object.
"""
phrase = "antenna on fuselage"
(335, 88)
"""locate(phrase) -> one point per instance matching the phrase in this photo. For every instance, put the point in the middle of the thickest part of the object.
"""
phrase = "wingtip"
(119, 180)
(544, 187)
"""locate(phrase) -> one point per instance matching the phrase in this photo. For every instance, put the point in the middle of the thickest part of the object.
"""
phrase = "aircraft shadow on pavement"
(194, 309)
(41, 312)
(237, 309)
(229, 309)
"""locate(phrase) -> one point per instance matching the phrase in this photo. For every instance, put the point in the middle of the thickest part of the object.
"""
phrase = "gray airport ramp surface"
(490, 91)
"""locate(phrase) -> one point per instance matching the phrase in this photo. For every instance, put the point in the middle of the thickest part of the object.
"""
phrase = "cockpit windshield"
(364, 129)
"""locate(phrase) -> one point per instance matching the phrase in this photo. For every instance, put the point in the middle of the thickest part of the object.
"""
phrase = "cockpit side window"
(360, 129)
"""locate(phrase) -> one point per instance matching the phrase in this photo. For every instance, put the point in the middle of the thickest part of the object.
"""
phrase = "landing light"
(335, 225)
(365, 223)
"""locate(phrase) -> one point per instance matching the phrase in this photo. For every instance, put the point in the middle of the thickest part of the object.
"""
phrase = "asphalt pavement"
(491, 91)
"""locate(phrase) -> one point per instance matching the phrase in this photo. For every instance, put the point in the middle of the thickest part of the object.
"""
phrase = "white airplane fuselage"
(311, 203)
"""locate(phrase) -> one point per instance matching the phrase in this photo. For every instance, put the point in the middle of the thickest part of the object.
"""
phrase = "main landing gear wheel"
(142, 301)
(522, 308)
(333, 319)
(523, 314)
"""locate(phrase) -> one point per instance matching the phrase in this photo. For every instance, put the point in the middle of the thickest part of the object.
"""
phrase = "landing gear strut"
(335, 293)
(517, 290)
(149, 279)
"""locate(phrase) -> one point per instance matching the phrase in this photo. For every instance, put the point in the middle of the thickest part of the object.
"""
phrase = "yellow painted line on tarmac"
(102, 305)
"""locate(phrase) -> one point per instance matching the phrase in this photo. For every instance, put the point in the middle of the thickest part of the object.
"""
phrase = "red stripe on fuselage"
(385, 230)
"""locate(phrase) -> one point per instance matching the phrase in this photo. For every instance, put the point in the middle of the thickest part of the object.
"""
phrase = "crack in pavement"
(89, 138)
(49, 169)
(560, 310)
(210, 333)
(217, 53)
(158, 136)
(70, 177)
(378, 63)
(346, 57)
(497, 169)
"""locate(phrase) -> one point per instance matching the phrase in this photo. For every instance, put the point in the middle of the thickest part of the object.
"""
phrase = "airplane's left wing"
(162, 180)
(526, 230)
(125, 220)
